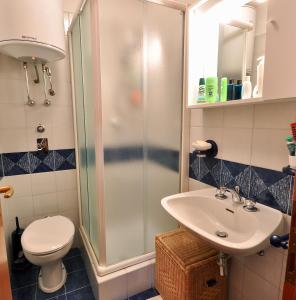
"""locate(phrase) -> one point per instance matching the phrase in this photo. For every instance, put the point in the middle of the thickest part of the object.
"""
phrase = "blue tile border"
(21, 163)
(268, 187)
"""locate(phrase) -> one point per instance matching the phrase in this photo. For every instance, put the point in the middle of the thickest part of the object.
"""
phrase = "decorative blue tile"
(84, 293)
(23, 278)
(64, 159)
(271, 188)
(73, 264)
(235, 174)
(76, 280)
(45, 296)
(15, 163)
(116, 154)
(193, 166)
(25, 293)
(145, 295)
(209, 171)
(1, 167)
(41, 161)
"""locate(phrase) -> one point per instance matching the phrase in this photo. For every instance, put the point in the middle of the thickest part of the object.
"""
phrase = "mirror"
(239, 47)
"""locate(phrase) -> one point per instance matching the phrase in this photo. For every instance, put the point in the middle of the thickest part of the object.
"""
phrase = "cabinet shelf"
(241, 102)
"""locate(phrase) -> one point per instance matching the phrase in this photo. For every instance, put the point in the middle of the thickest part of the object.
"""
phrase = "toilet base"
(52, 277)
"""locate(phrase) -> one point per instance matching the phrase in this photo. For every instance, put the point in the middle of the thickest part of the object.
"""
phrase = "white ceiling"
(71, 5)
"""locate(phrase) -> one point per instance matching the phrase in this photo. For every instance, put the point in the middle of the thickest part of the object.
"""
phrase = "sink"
(224, 224)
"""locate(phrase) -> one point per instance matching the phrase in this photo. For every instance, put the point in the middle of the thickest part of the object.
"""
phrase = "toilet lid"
(47, 235)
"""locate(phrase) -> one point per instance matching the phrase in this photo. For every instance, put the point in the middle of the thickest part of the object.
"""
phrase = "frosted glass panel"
(122, 106)
(163, 48)
(87, 63)
(79, 101)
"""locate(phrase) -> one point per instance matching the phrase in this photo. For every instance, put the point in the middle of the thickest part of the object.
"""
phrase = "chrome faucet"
(236, 197)
(249, 205)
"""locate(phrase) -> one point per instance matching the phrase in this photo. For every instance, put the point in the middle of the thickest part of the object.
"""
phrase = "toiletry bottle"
(211, 89)
(238, 90)
(223, 93)
(247, 88)
(201, 97)
(230, 90)
(258, 90)
(291, 145)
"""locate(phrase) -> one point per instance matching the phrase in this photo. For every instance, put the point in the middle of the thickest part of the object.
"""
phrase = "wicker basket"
(186, 268)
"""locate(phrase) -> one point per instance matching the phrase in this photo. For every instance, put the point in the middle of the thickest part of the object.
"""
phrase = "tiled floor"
(77, 287)
(151, 293)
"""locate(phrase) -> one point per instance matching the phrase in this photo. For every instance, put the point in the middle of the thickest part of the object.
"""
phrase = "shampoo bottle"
(230, 90)
(238, 90)
(201, 97)
(258, 90)
(211, 89)
(247, 88)
(223, 93)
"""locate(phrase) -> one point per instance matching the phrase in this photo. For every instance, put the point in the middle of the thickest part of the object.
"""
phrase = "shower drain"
(222, 234)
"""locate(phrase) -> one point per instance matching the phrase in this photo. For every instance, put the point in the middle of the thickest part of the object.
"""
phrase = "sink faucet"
(236, 197)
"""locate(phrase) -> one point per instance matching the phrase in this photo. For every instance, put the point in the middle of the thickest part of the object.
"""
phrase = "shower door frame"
(99, 263)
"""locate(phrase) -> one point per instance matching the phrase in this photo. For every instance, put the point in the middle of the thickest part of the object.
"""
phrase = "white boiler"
(32, 30)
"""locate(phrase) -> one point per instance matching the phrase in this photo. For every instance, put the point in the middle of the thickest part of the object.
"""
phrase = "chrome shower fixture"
(30, 101)
(47, 102)
(49, 75)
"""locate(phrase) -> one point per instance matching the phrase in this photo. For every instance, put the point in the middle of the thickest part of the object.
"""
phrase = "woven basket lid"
(186, 247)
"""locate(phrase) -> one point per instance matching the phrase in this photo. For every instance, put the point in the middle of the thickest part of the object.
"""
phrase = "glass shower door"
(83, 77)
(163, 78)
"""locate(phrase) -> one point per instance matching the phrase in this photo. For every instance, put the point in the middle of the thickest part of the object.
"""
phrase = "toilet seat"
(48, 235)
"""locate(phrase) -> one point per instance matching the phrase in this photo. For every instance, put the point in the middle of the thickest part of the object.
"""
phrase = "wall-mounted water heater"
(32, 30)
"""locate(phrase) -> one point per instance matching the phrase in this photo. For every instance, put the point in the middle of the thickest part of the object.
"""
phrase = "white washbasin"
(248, 232)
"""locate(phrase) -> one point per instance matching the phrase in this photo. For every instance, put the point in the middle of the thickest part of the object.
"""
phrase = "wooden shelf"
(241, 102)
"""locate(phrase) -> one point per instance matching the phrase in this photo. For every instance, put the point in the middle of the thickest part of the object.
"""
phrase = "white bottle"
(258, 90)
(247, 88)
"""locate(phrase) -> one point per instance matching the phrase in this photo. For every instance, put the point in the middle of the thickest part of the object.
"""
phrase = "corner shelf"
(241, 102)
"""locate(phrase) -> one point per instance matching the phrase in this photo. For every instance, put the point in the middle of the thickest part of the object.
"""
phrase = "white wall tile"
(238, 117)
(207, 117)
(256, 287)
(12, 116)
(66, 180)
(10, 68)
(12, 91)
(43, 183)
(236, 145)
(275, 115)
(269, 266)
(20, 183)
(269, 149)
(21, 207)
(13, 140)
(45, 204)
(67, 200)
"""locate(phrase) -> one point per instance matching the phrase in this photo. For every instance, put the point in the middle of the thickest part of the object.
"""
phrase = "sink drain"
(222, 234)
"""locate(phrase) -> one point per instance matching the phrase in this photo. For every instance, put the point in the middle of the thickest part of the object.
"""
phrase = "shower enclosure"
(127, 69)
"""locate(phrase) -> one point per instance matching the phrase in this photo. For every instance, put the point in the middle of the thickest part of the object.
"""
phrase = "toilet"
(45, 242)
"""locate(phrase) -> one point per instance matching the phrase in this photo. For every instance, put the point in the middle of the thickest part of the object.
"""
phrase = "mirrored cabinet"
(240, 52)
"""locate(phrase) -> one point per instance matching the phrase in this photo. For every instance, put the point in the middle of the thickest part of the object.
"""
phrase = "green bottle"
(211, 89)
(201, 98)
(223, 93)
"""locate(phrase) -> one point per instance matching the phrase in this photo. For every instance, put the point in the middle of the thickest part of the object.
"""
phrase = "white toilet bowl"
(45, 242)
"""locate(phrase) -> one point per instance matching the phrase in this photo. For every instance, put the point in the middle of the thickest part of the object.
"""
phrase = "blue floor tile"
(25, 286)
(23, 278)
(44, 296)
(145, 295)
(76, 280)
(25, 293)
(74, 264)
(81, 294)
(72, 253)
